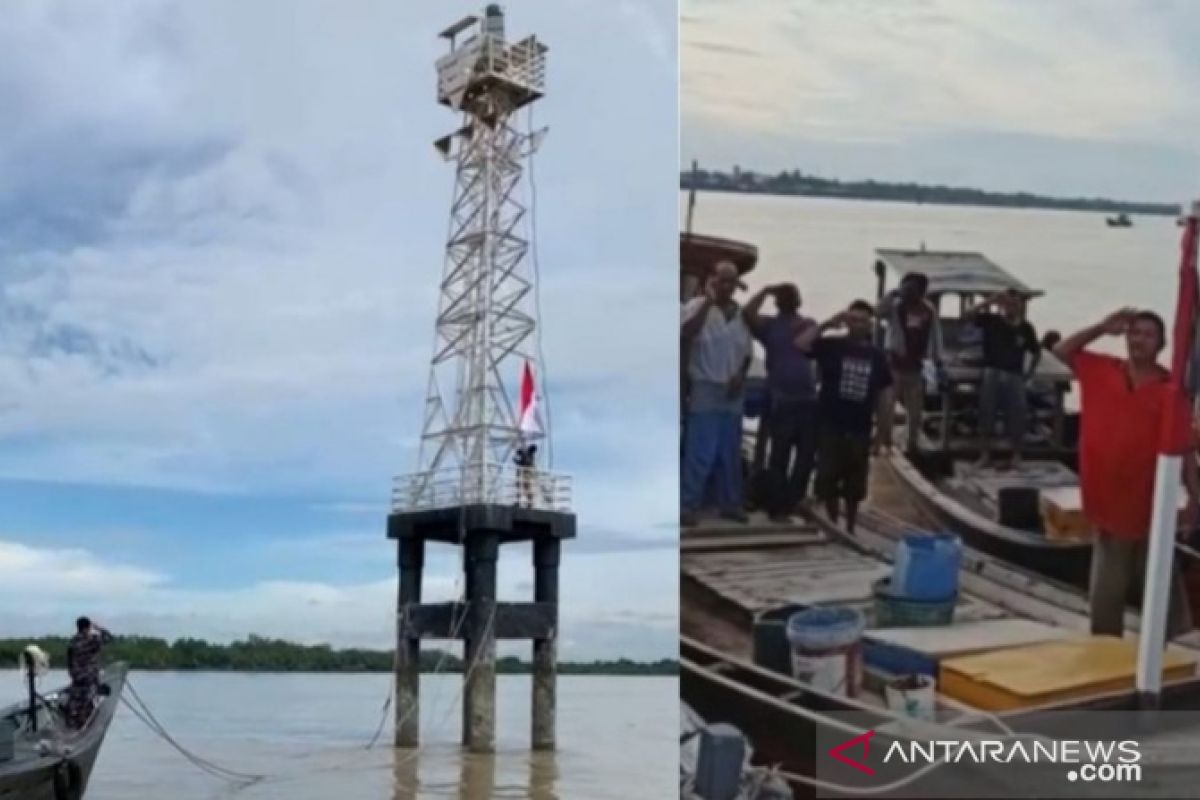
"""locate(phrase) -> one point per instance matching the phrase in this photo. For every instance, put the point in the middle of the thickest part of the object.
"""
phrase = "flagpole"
(1164, 517)
(691, 206)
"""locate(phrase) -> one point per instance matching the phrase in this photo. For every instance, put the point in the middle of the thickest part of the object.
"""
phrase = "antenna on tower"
(477, 483)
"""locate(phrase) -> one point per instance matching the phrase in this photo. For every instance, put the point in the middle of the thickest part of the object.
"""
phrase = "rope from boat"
(437, 668)
(470, 669)
(142, 711)
(537, 292)
(441, 662)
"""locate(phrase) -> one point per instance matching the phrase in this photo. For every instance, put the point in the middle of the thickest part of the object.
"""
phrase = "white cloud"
(891, 71)
(27, 572)
(129, 599)
(222, 235)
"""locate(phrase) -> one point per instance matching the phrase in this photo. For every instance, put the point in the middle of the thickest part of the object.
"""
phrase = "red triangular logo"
(863, 739)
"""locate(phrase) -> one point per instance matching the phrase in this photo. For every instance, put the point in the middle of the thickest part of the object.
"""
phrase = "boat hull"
(35, 778)
(790, 725)
(1067, 562)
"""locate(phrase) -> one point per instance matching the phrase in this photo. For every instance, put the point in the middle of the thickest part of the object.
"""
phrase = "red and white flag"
(528, 422)
(1176, 436)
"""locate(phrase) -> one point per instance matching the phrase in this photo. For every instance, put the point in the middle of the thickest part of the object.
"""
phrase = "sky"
(221, 230)
(1072, 97)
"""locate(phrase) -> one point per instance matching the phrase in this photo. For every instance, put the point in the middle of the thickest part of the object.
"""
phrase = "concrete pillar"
(408, 646)
(546, 557)
(480, 676)
(464, 633)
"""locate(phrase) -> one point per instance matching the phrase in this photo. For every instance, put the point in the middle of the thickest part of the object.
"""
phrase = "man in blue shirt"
(793, 398)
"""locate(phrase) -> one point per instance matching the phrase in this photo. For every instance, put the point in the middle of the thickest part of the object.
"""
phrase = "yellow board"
(1062, 514)
(1051, 672)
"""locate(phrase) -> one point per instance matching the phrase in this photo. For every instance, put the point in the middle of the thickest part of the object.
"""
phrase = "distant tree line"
(796, 183)
(259, 654)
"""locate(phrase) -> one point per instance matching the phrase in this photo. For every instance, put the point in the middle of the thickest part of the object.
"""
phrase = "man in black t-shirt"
(856, 388)
(1007, 339)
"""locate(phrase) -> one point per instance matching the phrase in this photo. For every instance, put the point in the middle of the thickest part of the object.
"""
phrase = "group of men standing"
(830, 398)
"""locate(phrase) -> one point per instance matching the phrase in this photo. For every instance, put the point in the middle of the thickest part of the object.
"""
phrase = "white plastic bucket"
(826, 648)
(912, 696)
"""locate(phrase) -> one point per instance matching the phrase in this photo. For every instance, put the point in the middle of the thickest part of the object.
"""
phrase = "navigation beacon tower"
(468, 490)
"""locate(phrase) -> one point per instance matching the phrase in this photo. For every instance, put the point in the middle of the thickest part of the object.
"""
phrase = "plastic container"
(827, 648)
(893, 611)
(771, 647)
(911, 695)
(8, 739)
(926, 566)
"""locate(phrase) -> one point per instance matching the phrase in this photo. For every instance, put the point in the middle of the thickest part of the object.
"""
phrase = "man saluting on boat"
(1007, 339)
(83, 667)
(1122, 405)
(717, 343)
(856, 386)
(793, 397)
(914, 335)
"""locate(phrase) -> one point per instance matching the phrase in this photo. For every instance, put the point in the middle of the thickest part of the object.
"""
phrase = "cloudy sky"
(221, 226)
(1065, 97)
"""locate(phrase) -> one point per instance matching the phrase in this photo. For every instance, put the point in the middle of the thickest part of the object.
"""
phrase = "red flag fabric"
(1177, 437)
(527, 421)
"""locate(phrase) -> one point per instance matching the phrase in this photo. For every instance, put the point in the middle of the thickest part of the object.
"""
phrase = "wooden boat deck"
(726, 589)
(828, 572)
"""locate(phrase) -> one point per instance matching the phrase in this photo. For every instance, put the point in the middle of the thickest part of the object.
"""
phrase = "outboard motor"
(35, 663)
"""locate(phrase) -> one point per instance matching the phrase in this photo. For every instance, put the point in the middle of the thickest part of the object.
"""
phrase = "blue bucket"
(826, 648)
(926, 566)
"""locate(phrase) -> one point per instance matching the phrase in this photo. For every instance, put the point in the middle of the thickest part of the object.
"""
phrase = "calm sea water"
(827, 246)
(307, 733)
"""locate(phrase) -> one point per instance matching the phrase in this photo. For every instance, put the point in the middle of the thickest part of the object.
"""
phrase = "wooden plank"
(969, 637)
(758, 524)
(743, 542)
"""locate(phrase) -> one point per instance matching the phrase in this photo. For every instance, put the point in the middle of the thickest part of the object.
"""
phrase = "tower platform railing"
(520, 65)
(523, 487)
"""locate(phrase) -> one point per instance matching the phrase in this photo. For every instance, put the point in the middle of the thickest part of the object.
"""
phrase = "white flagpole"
(1159, 560)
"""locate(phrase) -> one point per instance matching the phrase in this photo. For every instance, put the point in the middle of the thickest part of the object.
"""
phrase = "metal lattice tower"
(486, 320)
(470, 491)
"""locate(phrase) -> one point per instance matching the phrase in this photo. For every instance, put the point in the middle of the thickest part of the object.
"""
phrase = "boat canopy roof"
(699, 254)
(952, 272)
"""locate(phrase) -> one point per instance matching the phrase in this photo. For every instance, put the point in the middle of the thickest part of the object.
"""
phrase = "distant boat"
(1119, 221)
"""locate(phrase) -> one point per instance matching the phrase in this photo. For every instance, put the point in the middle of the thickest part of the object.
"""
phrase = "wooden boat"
(699, 255)
(48, 761)
(994, 510)
(1121, 220)
(725, 678)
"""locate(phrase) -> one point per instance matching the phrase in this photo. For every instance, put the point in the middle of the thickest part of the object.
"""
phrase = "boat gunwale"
(83, 744)
(927, 491)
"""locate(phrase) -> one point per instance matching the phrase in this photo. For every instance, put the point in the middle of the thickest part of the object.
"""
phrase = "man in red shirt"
(1123, 402)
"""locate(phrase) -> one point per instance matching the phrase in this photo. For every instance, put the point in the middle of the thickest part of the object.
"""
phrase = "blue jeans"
(1005, 390)
(712, 448)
